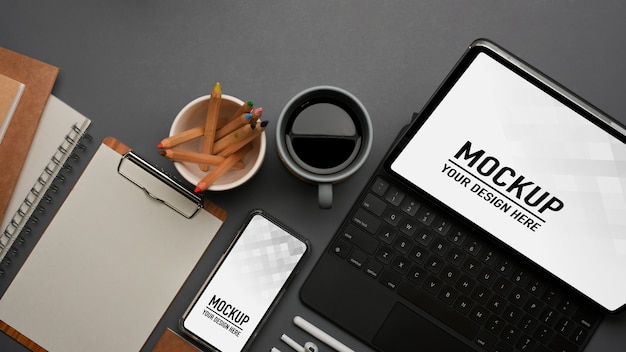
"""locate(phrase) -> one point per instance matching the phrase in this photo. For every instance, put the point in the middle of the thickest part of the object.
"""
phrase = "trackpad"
(405, 330)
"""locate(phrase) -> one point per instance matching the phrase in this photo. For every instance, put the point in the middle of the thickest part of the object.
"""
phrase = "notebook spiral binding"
(42, 192)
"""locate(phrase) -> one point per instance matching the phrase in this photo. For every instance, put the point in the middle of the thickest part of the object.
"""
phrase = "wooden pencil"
(195, 157)
(232, 148)
(220, 169)
(232, 137)
(211, 122)
(233, 125)
(256, 114)
(244, 109)
(181, 137)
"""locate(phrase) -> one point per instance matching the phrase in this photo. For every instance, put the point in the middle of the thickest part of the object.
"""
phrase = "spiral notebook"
(58, 135)
(111, 260)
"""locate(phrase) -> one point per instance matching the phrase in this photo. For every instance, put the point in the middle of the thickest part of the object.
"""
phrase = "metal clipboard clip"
(159, 186)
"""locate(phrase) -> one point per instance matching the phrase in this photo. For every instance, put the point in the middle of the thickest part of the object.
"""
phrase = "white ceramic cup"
(194, 114)
(323, 136)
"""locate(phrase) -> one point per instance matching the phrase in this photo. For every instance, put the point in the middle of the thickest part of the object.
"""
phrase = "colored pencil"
(220, 169)
(195, 157)
(256, 114)
(181, 137)
(211, 122)
(244, 109)
(232, 137)
(233, 125)
(232, 148)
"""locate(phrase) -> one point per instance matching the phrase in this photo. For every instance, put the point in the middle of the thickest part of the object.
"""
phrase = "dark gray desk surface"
(131, 65)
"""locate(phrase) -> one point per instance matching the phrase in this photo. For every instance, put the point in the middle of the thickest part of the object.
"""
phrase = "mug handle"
(325, 195)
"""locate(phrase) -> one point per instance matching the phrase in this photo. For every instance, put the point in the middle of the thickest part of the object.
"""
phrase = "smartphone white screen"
(531, 171)
(245, 285)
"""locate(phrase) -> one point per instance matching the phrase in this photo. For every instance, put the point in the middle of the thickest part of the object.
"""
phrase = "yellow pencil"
(220, 169)
(195, 157)
(211, 122)
(181, 137)
(232, 148)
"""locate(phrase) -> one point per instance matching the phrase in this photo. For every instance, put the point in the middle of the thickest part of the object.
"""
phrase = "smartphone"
(245, 285)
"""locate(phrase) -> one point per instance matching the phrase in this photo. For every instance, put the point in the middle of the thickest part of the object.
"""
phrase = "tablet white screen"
(532, 172)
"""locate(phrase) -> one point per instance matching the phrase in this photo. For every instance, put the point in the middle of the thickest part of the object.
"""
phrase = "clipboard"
(112, 259)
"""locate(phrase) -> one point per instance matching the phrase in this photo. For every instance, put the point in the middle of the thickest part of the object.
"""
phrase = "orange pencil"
(211, 122)
(257, 130)
(220, 169)
(232, 137)
(194, 157)
(233, 125)
(181, 137)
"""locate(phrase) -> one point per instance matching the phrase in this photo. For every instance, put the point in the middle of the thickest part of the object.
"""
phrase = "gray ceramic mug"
(324, 135)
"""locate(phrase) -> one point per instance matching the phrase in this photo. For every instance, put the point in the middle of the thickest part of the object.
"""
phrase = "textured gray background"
(131, 65)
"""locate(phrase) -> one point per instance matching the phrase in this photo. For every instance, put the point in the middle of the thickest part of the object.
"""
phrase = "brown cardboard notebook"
(38, 78)
(111, 261)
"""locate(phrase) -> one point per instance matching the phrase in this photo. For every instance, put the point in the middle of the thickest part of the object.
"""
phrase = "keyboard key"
(586, 318)
(494, 325)
(441, 226)
(455, 256)
(448, 295)
(481, 294)
(357, 258)
(408, 226)
(416, 274)
(426, 216)
(409, 206)
(402, 244)
(392, 216)
(486, 340)
(384, 254)
(432, 285)
(390, 279)
(380, 186)
(341, 248)
(466, 285)
(418, 254)
(400, 264)
(394, 196)
(434, 264)
(366, 221)
(472, 247)
(471, 266)
(373, 268)
(457, 237)
(479, 314)
(360, 239)
(510, 334)
(463, 304)
(528, 324)
(450, 274)
(438, 309)
(439, 246)
(562, 344)
(374, 204)
(424, 237)
(387, 234)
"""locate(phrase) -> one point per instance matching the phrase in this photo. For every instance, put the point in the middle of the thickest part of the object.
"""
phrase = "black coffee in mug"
(323, 135)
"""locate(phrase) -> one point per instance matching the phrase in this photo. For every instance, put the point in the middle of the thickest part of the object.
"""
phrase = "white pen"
(320, 335)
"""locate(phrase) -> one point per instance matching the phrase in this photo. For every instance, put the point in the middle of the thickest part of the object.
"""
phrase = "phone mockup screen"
(245, 285)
